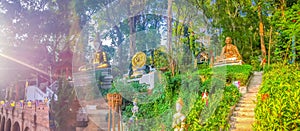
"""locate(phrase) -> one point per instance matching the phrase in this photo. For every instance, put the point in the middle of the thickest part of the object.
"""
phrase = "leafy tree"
(285, 39)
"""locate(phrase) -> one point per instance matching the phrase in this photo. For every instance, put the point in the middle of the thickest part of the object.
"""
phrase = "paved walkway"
(243, 116)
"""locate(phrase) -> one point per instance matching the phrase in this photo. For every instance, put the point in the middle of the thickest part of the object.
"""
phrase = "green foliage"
(160, 58)
(278, 99)
(288, 26)
(255, 62)
(236, 73)
(110, 51)
(189, 39)
(240, 73)
(218, 120)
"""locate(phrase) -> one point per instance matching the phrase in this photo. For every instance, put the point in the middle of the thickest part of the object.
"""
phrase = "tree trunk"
(98, 42)
(261, 33)
(282, 5)
(270, 42)
(132, 35)
(120, 50)
(169, 40)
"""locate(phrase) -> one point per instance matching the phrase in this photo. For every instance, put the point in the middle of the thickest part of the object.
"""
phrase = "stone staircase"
(243, 116)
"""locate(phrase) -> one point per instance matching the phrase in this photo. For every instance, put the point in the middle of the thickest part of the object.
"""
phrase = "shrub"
(230, 96)
(278, 99)
(235, 73)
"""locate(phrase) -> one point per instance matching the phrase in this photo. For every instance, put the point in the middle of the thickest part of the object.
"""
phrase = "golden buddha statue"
(229, 52)
(179, 118)
(100, 60)
(138, 62)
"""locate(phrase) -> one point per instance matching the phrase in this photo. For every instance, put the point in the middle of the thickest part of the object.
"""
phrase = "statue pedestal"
(230, 61)
(148, 79)
(137, 74)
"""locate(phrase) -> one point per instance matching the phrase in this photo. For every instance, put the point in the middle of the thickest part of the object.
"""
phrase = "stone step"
(244, 109)
(251, 99)
(247, 99)
(254, 88)
(244, 114)
(244, 128)
(253, 91)
(247, 102)
(250, 95)
(258, 73)
(249, 120)
(242, 124)
(254, 85)
(248, 105)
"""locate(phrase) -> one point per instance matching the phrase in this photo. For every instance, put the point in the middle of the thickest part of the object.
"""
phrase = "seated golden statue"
(179, 118)
(100, 60)
(229, 52)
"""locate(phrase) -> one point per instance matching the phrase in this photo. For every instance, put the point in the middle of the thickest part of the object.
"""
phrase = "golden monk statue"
(100, 60)
(179, 118)
(229, 52)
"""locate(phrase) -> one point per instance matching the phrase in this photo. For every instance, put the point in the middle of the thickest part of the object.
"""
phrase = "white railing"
(34, 93)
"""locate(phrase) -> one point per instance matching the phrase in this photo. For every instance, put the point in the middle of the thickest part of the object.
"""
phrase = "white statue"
(178, 117)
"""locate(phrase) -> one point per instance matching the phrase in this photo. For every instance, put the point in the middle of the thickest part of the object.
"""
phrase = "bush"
(278, 99)
(240, 73)
(217, 120)
(235, 73)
